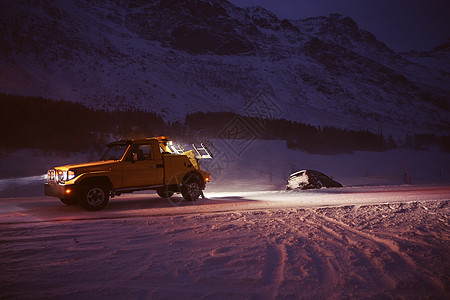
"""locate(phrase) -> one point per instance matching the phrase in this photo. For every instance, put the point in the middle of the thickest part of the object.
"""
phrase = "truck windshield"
(114, 152)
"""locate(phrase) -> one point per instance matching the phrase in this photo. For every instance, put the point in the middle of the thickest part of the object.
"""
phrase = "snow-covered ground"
(254, 245)
(376, 238)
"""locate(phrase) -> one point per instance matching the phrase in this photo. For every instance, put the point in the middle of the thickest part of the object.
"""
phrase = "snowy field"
(376, 238)
(252, 246)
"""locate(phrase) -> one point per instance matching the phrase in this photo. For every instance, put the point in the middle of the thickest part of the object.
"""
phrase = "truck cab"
(131, 165)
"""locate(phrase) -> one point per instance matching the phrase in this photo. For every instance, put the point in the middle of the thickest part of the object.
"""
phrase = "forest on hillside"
(34, 122)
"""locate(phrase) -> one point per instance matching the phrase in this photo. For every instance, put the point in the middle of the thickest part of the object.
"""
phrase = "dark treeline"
(31, 122)
(299, 136)
(424, 141)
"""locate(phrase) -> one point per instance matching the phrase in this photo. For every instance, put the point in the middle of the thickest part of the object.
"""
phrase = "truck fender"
(197, 176)
(95, 178)
(95, 174)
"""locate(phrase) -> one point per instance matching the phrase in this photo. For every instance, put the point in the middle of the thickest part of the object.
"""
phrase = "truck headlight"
(59, 175)
(65, 175)
(70, 175)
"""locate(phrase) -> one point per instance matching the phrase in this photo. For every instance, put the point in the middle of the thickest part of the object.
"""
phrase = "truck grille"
(51, 175)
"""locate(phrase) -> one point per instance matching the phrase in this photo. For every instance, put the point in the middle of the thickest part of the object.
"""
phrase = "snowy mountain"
(181, 56)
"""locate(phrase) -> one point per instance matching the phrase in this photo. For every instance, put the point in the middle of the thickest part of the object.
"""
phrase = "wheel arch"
(197, 176)
(100, 180)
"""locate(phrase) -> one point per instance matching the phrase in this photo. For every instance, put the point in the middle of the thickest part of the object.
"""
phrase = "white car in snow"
(310, 179)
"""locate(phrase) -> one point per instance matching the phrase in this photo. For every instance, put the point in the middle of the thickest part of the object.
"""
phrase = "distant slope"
(177, 57)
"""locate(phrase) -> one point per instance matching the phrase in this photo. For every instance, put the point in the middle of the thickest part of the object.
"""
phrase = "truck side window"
(140, 152)
(146, 152)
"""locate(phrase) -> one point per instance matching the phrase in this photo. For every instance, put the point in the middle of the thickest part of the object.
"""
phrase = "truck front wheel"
(191, 189)
(95, 197)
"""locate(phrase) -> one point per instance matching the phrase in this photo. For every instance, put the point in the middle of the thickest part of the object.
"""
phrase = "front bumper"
(59, 191)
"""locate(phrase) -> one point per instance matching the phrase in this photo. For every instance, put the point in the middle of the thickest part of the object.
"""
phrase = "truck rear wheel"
(191, 189)
(94, 197)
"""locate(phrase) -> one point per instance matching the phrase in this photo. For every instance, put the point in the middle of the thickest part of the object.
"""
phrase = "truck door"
(139, 167)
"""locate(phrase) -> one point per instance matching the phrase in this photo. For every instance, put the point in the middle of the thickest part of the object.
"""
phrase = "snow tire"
(95, 197)
(191, 189)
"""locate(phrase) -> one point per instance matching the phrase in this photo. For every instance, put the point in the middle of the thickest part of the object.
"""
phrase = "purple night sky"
(401, 24)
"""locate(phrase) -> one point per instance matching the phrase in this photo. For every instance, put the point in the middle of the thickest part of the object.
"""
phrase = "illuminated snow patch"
(237, 194)
(6, 183)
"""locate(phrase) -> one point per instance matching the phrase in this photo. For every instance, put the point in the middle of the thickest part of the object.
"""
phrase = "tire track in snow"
(345, 241)
(273, 270)
(325, 262)
(394, 247)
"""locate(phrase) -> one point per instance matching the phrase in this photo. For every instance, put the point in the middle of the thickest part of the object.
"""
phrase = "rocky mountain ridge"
(176, 57)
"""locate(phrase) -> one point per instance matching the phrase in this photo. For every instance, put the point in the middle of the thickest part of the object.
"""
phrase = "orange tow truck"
(131, 165)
